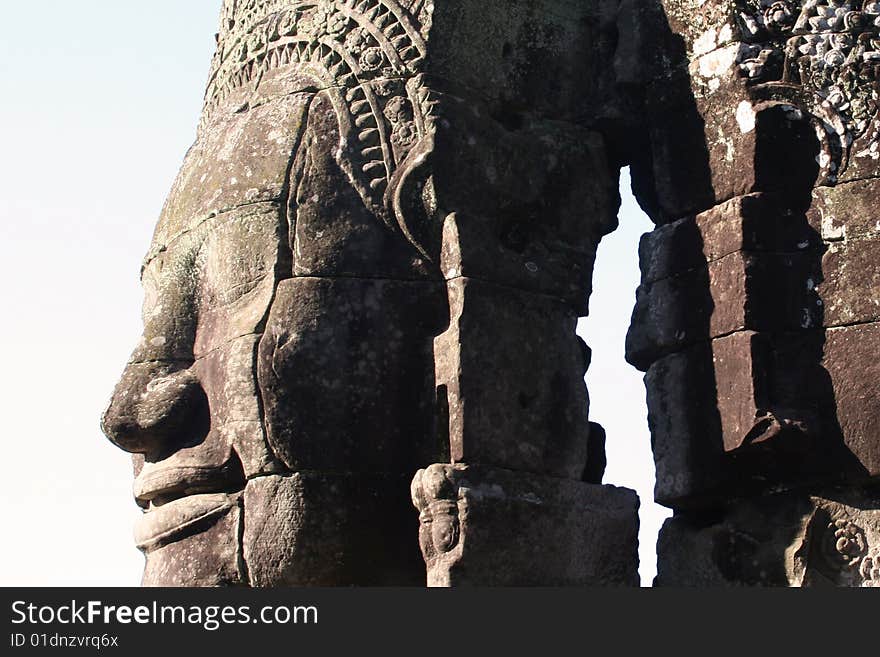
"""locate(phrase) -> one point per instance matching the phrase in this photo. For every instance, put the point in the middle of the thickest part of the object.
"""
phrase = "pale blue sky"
(101, 100)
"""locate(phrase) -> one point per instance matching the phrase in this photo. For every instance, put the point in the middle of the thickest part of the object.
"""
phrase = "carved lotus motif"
(372, 59)
(286, 25)
(323, 21)
(398, 109)
(404, 134)
(837, 99)
(384, 88)
(336, 23)
(779, 16)
(845, 543)
(357, 40)
(870, 569)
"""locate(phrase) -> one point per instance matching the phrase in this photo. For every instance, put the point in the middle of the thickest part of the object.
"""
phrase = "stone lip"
(157, 482)
(180, 500)
(165, 524)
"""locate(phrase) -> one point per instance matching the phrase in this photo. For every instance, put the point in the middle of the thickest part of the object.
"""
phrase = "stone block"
(532, 418)
(731, 416)
(330, 529)
(685, 425)
(846, 211)
(594, 472)
(850, 359)
(743, 290)
(765, 222)
(539, 54)
(346, 373)
(473, 248)
(540, 236)
(850, 283)
(753, 223)
(484, 527)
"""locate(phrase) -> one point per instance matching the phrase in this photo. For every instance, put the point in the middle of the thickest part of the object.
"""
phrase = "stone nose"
(156, 408)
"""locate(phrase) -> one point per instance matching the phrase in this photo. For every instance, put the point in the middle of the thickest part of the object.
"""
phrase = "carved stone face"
(188, 401)
(443, 519)
(434, 495)
(275, 233)
(283, 392)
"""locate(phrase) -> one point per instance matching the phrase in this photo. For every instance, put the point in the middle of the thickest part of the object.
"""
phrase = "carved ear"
(417, 492)
(405, 198)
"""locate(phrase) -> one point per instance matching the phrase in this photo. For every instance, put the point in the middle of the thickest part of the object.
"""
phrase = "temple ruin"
(359, 363)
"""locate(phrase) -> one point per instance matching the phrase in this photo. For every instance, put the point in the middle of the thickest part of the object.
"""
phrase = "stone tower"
(363, 289)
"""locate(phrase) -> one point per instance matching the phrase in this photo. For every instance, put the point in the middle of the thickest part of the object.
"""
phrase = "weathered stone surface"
(227, 375)
(525, 53)
(474, 248)
(534, 418)
(831, 538)
(754, 291)
(817, 57)
(484, 526)
(239, 159)
(846, 211)
(850, 287)
(850, 358)
(209, 554)
(374, 258)
(540, 236)
(345, 372)
(752, 223)
(323, 529)
(236, 261)
(685, 426)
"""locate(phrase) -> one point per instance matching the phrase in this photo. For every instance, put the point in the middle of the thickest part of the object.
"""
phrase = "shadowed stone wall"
(756, 320)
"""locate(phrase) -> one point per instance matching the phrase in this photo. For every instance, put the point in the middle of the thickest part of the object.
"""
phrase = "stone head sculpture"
(279, 302)
(365, 170)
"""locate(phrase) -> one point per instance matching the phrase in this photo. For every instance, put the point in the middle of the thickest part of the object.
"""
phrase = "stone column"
(757, 318)
(523, 187)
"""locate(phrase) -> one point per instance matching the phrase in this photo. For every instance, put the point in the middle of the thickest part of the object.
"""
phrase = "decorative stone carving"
(375, 254)
(830, 50)
(483, 527)
(787, 539)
